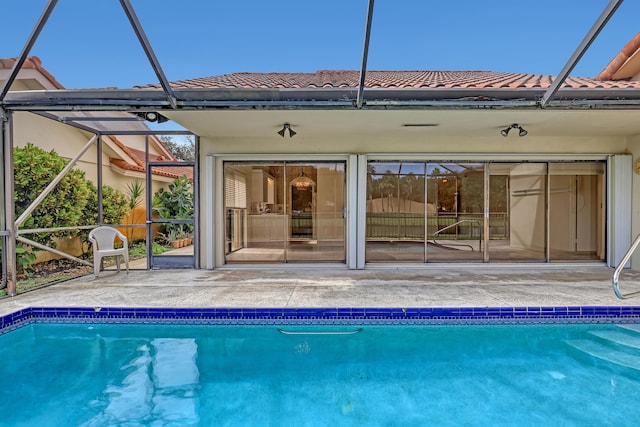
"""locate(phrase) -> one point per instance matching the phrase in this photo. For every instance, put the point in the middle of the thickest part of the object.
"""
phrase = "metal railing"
(455, 224)
(411, 226)
(616, 273)
(353, 332)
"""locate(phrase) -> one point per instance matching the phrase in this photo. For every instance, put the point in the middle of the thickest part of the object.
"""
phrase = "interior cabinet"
(263, 187)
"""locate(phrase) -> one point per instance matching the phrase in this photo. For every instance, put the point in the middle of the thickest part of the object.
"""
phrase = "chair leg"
(96, 266)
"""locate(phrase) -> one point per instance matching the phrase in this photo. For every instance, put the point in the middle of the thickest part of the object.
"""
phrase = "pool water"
(177, 375)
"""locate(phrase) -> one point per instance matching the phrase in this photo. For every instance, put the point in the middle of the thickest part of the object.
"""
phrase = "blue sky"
(89, 43)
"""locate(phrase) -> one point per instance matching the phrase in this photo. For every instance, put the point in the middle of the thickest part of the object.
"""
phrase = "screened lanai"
(365, 168)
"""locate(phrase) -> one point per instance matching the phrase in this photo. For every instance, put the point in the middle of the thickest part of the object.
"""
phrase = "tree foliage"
(73, 201)
(34, 169)
(185, 150)
(176, 203)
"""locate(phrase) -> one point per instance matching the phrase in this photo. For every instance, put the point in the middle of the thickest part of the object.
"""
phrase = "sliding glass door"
(454, 215)
(576, 211)
(396, 211)
(485, 211)
(280, 212)
(517, 229)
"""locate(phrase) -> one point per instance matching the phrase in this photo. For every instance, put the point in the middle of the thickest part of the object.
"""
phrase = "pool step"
(606, 353)
(618, 347)
(630, 327)
(621, 338)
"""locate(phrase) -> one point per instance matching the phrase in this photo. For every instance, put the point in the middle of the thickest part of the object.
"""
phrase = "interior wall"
(527, 211)
(562, 212)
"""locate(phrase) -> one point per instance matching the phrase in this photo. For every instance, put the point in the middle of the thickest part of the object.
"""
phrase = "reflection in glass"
(284, 212)
(395, 212)
(448, 200)
(455, 200)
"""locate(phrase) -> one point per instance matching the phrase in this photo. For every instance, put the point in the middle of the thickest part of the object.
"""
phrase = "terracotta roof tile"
(168, 171)
(32, 62)
(171, 171)
(391, 80)
(619, 60)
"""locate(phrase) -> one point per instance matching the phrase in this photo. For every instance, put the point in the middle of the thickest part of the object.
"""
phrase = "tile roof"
(620, 59)
(139, 157)
(32, 62)
(391, 80)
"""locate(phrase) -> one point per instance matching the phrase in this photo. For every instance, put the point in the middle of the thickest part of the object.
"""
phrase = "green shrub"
(176, 203)
(34, 169)
(114, 208)
(73, 201)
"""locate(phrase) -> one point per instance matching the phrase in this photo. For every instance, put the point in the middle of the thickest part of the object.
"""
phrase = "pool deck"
(442, 286)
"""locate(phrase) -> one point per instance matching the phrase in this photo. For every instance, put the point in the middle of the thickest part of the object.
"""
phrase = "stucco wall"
(405, 144)
(67, 142)
(634, 149)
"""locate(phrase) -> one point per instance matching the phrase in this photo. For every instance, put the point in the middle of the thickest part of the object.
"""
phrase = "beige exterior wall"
(67, 142)
(403, 143)
(417, 144)
(634, 150)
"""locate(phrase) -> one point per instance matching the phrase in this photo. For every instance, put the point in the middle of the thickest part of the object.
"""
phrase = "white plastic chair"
(103, 239)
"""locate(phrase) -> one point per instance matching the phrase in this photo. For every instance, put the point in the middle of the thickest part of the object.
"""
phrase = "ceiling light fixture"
(284, 129)
(521, 131)
(152, 116)
(303, 182)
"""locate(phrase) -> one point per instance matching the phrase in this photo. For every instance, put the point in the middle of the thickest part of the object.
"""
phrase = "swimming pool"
(254, 368)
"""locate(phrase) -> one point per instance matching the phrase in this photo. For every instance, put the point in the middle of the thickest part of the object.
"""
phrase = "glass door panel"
(455, 202)
(517, 212)
(255, 222)
(395, 212)
(284, 212)
(315, 209)
(576, 210)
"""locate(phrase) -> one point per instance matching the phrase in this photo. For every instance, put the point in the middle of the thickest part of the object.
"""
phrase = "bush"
(73, 201)
(176, 203)
(114, 208)
(34, 169)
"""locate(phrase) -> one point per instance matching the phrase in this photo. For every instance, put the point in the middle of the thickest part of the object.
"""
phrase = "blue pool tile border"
(332, 315)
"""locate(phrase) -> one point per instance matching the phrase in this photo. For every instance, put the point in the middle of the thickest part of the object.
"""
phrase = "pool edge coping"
(324, 316)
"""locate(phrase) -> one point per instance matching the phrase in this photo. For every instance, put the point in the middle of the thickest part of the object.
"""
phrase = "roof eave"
(316, 98)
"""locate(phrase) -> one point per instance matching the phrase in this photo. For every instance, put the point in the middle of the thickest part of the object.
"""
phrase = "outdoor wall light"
(521, 132)
(284, 129)
(152, 116)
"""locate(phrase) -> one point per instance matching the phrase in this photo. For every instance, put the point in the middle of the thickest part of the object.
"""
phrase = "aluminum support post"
(365, 55)
(27, 47)
(582, 48)
(9, 229)
(144, 41)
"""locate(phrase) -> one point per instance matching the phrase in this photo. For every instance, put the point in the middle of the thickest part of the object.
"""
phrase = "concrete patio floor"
(475, 286)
